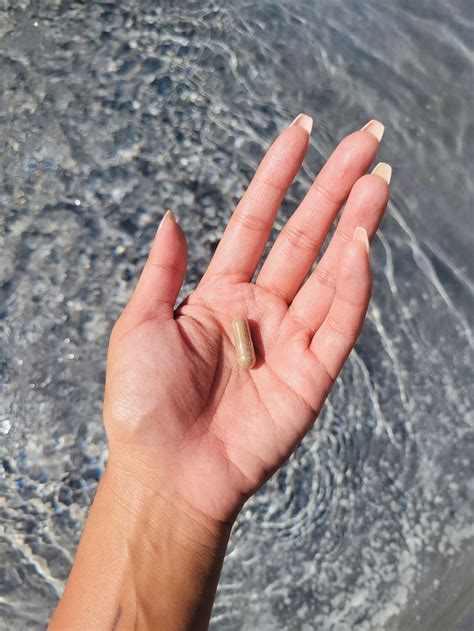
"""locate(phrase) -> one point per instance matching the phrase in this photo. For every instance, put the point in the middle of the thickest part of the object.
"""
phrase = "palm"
(176, 399)
(231, 428)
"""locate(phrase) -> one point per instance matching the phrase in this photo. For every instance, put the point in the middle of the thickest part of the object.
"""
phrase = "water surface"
(111, 113)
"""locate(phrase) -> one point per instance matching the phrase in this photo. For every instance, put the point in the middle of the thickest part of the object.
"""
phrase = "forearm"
(144, 562)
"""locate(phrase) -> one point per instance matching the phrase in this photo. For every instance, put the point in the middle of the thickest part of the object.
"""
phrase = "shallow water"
(109, 115)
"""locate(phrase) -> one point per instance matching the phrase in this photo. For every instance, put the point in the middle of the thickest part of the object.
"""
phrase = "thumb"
(161, 279)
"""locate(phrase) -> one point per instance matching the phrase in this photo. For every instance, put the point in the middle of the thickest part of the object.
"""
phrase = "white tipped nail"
(168, 215)
(384, 171)
(304, 121)
(360, 234)
(375, 128)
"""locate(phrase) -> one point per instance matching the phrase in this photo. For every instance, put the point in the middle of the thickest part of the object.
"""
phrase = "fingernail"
(375, 128)
(384, 171)
(304, 121)
(360, 234)
(168, 215)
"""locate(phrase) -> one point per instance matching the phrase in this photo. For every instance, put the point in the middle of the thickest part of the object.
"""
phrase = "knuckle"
(300, 238)
(343, 235)
(331, 378)
(331, 196)
(340, 329)
(270, 182)
(325, 277)
(169, 268)
(274, 289)
(352, 304)
(251, 222)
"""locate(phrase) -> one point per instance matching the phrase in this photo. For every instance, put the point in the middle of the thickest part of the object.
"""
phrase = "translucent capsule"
(243, 343)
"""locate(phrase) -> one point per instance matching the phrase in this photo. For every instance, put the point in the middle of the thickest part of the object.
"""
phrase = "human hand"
(191, 433)
(180, 414)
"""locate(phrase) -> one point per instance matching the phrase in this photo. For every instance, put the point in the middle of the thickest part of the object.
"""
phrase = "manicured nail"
(375, 128)
(168, 215)
(384, 171)
(360, 234)
(304, 121)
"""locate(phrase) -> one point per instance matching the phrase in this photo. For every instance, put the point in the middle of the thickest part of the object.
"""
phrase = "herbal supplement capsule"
(243, 343)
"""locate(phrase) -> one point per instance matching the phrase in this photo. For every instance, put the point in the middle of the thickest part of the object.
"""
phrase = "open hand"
(180, 413)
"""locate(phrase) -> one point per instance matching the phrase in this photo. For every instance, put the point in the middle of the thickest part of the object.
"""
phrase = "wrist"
(175, 553)
(145, 560)
(154, 503)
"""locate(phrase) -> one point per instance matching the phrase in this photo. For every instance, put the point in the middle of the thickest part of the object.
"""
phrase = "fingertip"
(161, 278)
(349, 161)
(356, 252)
(383, 171)
(366, 205)
(169, 233)
(168, 216)
(169, 223)
(290, 145)
(370, 186)
(354, 273)
(304, 122)
(375, 128)
(360, 235)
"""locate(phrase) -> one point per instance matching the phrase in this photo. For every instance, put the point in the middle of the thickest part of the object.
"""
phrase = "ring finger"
(293, 253)
(365, 207)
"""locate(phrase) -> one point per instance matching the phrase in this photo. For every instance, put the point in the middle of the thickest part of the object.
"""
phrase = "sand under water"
(111, 113)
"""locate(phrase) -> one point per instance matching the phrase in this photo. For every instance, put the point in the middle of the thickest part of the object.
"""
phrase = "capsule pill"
(243, 343)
